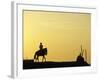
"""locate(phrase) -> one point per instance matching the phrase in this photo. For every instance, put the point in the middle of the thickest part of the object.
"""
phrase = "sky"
(62, 33)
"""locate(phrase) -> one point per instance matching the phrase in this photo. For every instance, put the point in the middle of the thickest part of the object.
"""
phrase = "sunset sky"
(61, 32)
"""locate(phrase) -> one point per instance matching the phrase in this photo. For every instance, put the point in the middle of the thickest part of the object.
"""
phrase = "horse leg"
(45, 58)
(35, 59)
(38, 58)
(42, 58)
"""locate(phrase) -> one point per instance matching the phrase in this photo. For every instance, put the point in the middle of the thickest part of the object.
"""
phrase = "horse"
(38, 53)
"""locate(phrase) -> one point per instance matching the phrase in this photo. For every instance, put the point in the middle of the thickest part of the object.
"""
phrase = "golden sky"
(61, 32)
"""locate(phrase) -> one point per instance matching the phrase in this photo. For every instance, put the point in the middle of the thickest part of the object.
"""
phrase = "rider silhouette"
(41, 47)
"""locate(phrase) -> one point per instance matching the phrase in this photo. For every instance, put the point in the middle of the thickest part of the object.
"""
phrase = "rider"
(41, 47)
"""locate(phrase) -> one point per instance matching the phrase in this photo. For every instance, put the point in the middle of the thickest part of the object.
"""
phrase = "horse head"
(45, 51)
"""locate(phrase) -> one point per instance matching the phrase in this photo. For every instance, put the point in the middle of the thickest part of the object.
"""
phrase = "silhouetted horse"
(42, 53)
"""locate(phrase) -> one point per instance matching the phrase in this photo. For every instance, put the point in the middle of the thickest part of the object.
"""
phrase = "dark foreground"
(29, 64)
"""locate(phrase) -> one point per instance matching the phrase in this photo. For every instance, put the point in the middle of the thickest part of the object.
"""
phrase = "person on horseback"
(41, 52)
(41, 47)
